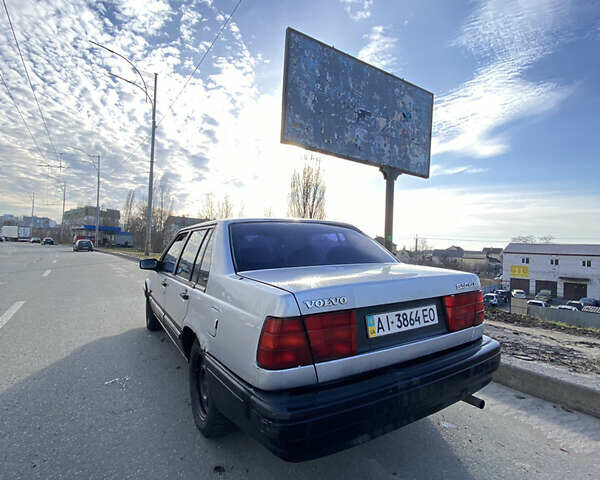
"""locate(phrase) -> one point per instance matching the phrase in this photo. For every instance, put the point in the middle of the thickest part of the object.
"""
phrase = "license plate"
(387, 323)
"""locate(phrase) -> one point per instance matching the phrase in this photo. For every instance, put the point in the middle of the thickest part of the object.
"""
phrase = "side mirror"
(149, 264)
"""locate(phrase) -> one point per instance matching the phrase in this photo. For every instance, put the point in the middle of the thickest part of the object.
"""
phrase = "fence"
(579, 319)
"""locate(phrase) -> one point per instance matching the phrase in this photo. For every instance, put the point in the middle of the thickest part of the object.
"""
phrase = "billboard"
(338, 105)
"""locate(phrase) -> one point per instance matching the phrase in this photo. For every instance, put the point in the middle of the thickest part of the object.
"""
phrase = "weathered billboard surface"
(336, 104)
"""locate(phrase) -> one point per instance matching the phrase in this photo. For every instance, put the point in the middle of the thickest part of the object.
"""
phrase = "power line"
(201, 60)
(185, 84)
(22, 117)
(29, 79)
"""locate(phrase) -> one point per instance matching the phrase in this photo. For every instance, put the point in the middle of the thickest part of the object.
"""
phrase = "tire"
(207, 417)
(152, 322)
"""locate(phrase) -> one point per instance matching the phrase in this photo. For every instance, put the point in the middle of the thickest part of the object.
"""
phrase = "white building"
(567, 270)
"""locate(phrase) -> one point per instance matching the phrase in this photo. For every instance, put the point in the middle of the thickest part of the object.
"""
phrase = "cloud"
(88, 109)
(506, 38)
(379, 49)
(357, 9)
(438, 170)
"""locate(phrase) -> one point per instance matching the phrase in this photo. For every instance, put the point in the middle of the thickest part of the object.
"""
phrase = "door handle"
(164, 283)
(184, 295)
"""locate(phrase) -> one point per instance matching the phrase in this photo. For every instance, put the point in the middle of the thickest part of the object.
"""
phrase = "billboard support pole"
(390, 174)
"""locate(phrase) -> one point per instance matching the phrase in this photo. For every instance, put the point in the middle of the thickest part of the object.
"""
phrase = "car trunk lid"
(375, 293)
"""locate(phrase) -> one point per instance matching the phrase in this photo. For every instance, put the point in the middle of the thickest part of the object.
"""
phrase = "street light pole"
(98, 202)
(148, 246)
(148, 242)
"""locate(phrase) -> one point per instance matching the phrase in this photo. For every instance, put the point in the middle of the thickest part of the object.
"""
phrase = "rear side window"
(186, 263)
(264, 245)
(170, 259)
(203, 261)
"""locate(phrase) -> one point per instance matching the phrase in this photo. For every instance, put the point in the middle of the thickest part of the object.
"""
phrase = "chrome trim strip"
(365, 362)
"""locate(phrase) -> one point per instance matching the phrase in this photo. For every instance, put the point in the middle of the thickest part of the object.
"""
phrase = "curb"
(573, 391)
(118, 254)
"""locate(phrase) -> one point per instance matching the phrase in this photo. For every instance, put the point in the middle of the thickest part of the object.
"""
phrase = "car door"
(204, 310)
(178, 292)
(166, 269)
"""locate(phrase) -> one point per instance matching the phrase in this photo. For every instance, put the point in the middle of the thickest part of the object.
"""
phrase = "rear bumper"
(303, 424)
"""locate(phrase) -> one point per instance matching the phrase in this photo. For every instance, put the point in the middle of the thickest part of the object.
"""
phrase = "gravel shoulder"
(576, 350)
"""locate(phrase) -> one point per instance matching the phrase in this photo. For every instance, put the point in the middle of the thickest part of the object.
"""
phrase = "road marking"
(53, 261)
(10, 312)
(46, 273)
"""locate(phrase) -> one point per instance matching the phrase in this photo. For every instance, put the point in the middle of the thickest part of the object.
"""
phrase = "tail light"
(283, 344)
(332, 335)
(464, 310)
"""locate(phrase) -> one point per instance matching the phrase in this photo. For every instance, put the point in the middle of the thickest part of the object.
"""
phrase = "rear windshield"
(264, 245)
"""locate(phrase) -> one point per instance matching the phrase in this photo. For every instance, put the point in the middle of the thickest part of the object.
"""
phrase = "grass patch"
(132, 252)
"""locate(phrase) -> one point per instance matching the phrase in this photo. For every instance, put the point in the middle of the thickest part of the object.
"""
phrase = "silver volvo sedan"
(310, 336)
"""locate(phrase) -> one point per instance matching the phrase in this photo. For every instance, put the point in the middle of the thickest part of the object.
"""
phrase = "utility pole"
(416, 243)
(32, 205)
(62, 219)
(148, 246)
(98, 202)
(96, 164)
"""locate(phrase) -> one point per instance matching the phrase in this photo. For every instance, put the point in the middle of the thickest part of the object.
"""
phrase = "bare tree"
(208, 209)
(225, 208)
(546, 239)
(268, 212)
(307, 191)
(242, 211)
(532, 239)
(128, 209)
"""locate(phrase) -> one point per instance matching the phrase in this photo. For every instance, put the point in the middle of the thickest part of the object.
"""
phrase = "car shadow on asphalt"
(118, 407)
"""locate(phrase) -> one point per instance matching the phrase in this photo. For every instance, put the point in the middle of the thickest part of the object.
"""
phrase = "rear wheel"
(152, 322)
(207, 417)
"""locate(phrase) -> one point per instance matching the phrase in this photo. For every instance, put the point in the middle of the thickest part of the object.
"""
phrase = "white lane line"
(53, 261)
(10, 312)
(46, 273)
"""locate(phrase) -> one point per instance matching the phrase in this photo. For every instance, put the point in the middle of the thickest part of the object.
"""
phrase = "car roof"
(230, 221)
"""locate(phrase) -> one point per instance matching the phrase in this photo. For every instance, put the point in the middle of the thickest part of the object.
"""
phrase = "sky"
(515, 136)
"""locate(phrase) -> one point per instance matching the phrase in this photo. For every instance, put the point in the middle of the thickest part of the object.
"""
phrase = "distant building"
(37, 222)
(472, 260)
(107, 236)
(8, 219)
(87, 216)
(567, 270)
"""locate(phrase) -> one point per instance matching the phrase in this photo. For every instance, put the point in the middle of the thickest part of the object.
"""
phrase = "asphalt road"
(87, 392)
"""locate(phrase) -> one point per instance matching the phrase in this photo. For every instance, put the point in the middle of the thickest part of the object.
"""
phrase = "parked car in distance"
(567, 307)
(491, 299)
(48, 241)
(83, 245)
(310, 336)
(538, 303)
(517, 293)
(544, 296)
(35, 240)
(589, 301)
(575, 303)
(503, 294)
